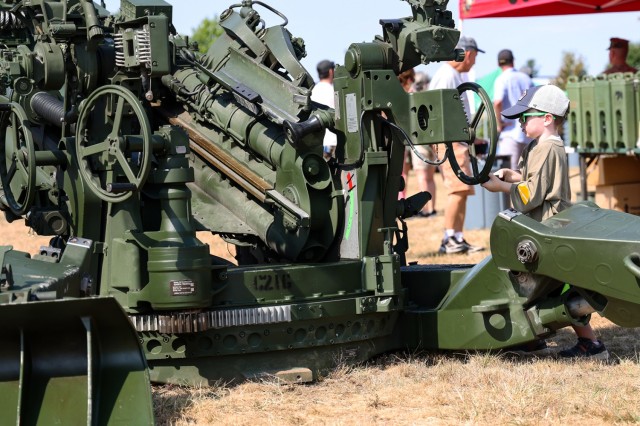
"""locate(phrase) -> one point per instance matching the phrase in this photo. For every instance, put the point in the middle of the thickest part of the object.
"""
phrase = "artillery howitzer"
(121, 142)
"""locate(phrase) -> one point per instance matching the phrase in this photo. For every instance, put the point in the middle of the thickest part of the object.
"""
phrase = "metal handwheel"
(113, 143)
(477, 176)
(17, 160)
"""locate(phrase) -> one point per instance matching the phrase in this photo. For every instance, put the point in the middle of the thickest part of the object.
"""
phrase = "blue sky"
(329, 26)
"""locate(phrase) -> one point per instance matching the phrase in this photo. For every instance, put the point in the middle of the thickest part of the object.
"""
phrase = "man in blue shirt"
(507, 89)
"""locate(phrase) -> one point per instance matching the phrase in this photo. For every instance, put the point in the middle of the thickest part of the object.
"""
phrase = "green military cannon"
(120, 142)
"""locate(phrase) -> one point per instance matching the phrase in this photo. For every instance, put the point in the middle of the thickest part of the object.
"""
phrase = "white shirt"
(508, 88)
(322, 93)
(448, 78)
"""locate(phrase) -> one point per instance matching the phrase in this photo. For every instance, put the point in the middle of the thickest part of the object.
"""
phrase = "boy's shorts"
(451, 181)
(426, 152)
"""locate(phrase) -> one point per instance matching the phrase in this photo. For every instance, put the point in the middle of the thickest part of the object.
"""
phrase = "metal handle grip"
(296, 131)
(632, 263)
(120, 188)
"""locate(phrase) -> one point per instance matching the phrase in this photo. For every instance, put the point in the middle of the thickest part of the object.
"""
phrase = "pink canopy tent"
(515, 8)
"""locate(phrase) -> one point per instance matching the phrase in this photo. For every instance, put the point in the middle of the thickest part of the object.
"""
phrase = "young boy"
(539, 187)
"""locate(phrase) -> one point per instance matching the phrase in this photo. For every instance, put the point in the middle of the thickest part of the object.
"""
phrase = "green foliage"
(633, 58)
(206, 33)
(572, 64)
(531, 64)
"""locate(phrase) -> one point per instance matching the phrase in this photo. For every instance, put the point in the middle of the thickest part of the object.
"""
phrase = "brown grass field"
(421, 388)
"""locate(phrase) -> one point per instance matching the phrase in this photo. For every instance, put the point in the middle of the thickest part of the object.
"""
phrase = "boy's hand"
(508, 175)
(494, 184)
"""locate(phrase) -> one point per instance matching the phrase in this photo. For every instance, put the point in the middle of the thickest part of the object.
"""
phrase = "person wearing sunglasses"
(539, 186)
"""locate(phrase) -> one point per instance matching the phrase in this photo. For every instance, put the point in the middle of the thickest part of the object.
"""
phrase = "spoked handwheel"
(477, 176)
(113, 143)
(17, 160)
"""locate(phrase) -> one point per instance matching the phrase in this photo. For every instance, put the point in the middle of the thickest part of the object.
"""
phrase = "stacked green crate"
(604, 113)
(624, 111)
(604, 121)
(636, 87)
(575, 111)
(588, 110)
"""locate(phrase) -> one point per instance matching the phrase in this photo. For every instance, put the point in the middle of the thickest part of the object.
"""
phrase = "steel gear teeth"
(194, 322)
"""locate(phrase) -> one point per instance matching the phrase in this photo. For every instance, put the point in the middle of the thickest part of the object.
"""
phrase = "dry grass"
(432, 388)
(424, 388)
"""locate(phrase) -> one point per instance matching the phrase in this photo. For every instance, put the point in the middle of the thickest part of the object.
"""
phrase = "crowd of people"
(529, 122)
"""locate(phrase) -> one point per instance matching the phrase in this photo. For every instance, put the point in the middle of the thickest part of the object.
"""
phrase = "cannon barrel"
(261, 136)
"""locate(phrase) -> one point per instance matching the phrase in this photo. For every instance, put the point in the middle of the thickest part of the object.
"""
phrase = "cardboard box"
(622, 197)
(614, 170)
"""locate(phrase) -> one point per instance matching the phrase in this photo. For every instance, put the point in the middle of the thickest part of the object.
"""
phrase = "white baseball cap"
(547, 98)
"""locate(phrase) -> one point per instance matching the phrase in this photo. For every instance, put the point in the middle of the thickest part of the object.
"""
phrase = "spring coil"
(10, 20)
(118, 44)
(144, 47)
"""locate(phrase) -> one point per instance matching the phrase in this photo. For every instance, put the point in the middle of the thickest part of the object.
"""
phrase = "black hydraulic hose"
(404, 134)
(49, 108)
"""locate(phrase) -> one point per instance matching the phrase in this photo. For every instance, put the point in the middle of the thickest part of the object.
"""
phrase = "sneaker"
(587, 349)
(451, 246)
(470, 248)
(426, 214)
(423, 214)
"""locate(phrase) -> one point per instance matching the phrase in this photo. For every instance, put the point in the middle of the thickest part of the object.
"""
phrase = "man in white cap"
(449, 76)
